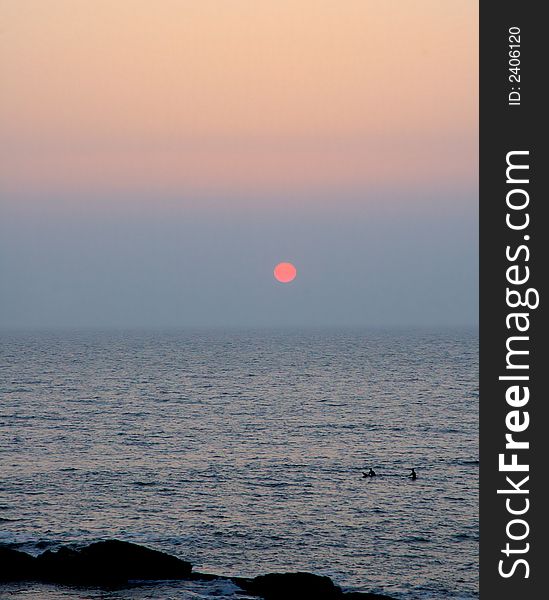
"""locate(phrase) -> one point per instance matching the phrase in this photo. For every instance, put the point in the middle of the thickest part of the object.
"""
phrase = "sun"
(285, 272)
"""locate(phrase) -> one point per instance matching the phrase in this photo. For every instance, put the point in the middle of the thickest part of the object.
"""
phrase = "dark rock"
(114, 562)
(299, 586)
(111, 561)
(15, 565)
(291, 586)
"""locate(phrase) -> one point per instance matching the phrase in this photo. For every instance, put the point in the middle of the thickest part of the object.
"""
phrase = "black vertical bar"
(513, 118)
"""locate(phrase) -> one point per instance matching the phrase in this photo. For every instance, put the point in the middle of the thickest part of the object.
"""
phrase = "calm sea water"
(243, 453)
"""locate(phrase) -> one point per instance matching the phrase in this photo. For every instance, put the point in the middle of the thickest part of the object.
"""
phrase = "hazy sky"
(159, 157)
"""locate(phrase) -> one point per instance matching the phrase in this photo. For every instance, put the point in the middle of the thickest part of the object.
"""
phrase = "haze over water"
(180, 150)
(243, 452)
(158, 159)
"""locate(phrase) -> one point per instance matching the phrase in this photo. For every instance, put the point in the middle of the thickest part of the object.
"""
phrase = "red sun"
(285, 272)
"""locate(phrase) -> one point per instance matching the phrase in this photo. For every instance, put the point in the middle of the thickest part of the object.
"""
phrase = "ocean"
(243, 452)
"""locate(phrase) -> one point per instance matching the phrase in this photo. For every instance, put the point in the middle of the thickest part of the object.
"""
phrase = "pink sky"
(130, 99)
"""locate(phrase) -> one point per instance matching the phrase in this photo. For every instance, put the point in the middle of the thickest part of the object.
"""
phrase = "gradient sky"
(158, 158)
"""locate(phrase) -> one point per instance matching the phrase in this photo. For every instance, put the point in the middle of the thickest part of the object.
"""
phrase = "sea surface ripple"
(243, 453)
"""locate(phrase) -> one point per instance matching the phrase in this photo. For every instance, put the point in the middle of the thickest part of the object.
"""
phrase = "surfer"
(413, 474)
(370, 473)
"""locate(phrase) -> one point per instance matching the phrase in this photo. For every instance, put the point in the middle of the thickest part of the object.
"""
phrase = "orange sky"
(235, 96)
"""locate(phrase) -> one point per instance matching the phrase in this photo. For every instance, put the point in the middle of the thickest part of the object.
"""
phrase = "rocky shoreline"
(115, 562)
